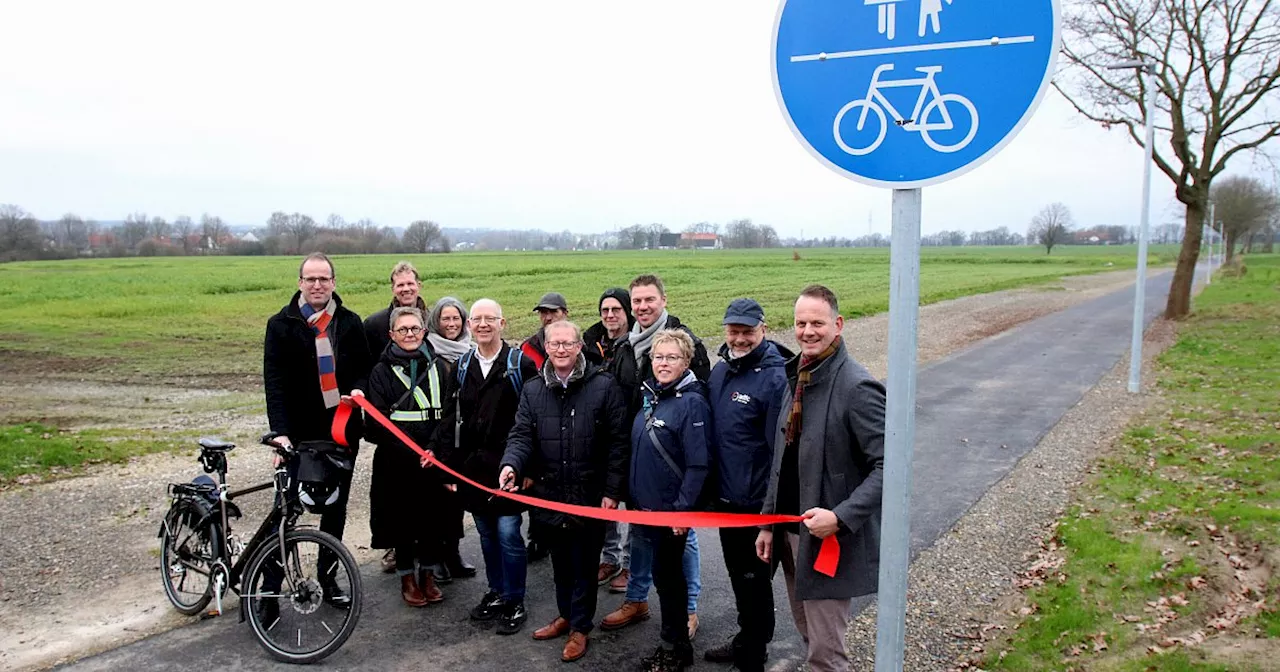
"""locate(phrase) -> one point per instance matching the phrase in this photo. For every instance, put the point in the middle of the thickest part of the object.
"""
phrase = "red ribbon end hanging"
(828, 557)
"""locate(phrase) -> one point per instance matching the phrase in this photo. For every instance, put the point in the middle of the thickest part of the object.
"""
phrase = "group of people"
(629, 413)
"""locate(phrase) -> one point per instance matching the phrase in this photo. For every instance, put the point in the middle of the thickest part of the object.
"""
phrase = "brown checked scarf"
(805, 374)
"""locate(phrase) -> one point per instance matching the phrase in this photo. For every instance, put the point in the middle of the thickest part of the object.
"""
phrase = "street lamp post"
(1140, 287)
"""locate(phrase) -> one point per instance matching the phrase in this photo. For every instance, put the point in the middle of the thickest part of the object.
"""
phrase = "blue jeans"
(641, 579)
(505, 558)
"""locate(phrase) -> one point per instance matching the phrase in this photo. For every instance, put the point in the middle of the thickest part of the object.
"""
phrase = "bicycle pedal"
(212, 613)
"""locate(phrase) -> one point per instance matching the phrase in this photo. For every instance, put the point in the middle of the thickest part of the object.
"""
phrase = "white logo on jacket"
(741, 398)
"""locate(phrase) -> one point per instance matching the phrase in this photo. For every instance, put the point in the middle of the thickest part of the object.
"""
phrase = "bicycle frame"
(927, 85)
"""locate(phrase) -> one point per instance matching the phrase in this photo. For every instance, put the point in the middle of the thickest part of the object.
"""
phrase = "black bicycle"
(299, 588)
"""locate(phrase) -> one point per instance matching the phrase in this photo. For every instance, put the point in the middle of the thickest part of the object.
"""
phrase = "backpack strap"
(515, 357)
(662, 450)
(463, 362)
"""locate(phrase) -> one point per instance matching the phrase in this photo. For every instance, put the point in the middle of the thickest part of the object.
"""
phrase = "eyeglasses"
(608, 309)
(315, 280)
(562, 345)
(409, 331)
(668, 359)
(484, 319)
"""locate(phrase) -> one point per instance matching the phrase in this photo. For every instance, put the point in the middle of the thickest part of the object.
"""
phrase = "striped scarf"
(319, 320)
(805, 374)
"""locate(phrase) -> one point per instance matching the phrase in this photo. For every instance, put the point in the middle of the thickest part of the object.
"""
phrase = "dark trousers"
(332, 521)
(575, 560)
(669, 580)
(752, 594)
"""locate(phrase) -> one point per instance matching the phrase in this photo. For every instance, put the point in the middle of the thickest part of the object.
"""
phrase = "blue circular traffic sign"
(908, 93)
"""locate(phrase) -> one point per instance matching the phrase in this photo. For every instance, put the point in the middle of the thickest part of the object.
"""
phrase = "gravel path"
(78, 557)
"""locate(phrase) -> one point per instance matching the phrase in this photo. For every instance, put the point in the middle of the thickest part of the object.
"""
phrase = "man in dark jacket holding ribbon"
(746, 387)
(314, 352)
(570, 438)
(828, 466)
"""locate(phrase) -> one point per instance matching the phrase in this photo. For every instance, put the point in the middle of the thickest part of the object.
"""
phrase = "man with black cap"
(746, 391)
(601, 339)
(551, 308)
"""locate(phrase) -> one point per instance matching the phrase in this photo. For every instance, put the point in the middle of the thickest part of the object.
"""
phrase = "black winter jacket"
(597, 347)
(405, 498)
(631, 374)
(746, 399)
(377, 327)
(291, 378)
(572, 441)
(475, 443)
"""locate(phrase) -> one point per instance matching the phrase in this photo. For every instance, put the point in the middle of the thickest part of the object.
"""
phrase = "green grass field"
(156, 318)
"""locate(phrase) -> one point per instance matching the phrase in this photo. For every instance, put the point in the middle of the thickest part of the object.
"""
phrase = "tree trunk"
(1230, 238)
(1179, 304)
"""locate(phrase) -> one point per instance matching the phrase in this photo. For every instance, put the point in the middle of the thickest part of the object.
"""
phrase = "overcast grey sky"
(580, 115)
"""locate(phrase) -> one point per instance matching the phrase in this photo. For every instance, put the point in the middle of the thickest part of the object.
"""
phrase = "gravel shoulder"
(79, 558)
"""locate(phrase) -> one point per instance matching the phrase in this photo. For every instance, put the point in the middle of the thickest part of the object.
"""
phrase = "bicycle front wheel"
(188, 550)
(294, 600)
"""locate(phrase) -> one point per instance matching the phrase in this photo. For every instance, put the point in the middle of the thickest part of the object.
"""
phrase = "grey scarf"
(552, 380)
(642, 339)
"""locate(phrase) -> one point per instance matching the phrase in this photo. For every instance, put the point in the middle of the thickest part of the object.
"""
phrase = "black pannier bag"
(321, 466)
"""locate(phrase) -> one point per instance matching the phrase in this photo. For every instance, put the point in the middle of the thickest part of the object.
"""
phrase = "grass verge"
(32, 451)
(1168, 560)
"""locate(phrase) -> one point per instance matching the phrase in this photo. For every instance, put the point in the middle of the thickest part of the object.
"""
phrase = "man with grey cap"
(551, 308)
(746, 391)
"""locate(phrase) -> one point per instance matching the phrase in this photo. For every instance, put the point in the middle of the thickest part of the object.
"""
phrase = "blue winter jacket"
(746, 399)
(681, 419)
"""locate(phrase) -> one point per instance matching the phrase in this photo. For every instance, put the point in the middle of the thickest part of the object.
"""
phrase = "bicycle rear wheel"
(188, 550)
(287, 597)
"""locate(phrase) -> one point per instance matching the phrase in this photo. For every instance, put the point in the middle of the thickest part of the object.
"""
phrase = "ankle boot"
(410, 591)
(430, 592)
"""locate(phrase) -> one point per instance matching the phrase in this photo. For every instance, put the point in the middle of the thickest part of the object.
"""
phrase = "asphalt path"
(978, 412)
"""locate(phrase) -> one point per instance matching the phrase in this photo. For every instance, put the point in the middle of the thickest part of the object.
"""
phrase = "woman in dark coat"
(412, 387)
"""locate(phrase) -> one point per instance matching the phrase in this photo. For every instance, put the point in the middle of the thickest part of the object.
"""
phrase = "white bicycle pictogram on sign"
(876, 102)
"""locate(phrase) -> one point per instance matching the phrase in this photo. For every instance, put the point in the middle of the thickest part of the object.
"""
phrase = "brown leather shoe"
(628, 613)
(606, 573)
(410, 591)
(619, 582)
(575, 648)
(554, 629)
(430, 591)
(693, 626)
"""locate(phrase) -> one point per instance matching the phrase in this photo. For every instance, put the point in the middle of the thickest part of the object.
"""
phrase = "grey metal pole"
(900, 429)
(1213, 256)
(1140, 287)
(1204, 247)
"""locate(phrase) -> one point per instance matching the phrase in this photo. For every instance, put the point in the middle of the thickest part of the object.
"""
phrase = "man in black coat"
(405, 288)
(631, 364)
(490, 379)
(314, 352)
(570, 437)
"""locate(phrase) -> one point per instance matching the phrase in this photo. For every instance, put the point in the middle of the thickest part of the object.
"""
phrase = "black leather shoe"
(336, 597)
(459, 568)
(442, 573)
(719, 654)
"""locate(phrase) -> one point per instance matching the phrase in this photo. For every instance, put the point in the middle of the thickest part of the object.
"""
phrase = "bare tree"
(183, 227)
(160, 229)
(425, 236)
(72, 232)
(1242, 205)
(335, 222)
(1216, 70)
(20, 236)
(213, 231)
(1051, 226)
(135, 229)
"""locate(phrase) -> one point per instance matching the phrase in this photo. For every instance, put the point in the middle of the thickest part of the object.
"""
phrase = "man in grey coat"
(828, 465)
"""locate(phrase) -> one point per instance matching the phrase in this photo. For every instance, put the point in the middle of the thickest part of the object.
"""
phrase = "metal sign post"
(902, 101)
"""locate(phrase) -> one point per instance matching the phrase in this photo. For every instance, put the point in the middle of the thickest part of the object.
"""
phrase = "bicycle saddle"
(210, 443)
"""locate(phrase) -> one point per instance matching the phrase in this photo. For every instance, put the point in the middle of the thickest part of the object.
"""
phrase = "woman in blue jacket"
(671, 446)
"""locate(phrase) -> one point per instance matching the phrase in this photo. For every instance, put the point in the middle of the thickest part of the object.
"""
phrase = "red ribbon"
(828, 555)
